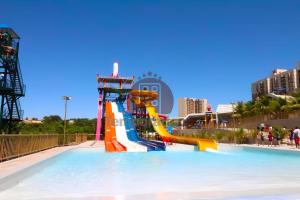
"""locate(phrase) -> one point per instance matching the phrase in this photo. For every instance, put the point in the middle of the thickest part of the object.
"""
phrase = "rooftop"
(109, 79)
(225, 108)
(278, 71)
(192, 98)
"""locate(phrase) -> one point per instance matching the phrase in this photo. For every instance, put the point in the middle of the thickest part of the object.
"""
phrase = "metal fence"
(12, 146)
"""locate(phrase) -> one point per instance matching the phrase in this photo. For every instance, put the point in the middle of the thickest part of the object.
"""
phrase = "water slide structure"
(122, 134)
(144, 98)
(115, 126)
(133, 135)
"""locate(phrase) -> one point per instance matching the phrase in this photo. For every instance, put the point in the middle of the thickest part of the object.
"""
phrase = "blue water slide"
(132, 133)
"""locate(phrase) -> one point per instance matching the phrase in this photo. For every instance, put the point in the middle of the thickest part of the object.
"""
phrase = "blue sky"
(202, 48)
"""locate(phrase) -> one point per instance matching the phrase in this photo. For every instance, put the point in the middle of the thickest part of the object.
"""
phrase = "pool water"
(232, 173)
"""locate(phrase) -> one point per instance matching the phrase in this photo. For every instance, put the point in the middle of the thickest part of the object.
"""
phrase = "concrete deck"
(182, 147)
(283, 147)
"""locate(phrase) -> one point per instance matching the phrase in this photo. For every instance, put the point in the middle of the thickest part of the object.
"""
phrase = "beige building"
(32, 121)
(191, 105)
(281, 81)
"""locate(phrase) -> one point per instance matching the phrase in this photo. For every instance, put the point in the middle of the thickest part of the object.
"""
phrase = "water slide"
(110, 140)
(201, 143)
(133, 135)
(144, 98)
(121, 132)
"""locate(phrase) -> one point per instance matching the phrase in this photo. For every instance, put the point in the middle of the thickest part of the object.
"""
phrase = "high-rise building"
(191, 105)
(281, 81)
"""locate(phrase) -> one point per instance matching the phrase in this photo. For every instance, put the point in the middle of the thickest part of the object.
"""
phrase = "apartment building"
(281, 81)
(191, 105)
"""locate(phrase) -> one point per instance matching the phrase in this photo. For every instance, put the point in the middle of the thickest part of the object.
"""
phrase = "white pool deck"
(13, 166)
(283, 147)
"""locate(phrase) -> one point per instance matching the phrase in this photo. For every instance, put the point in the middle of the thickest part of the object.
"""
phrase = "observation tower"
(12, 87)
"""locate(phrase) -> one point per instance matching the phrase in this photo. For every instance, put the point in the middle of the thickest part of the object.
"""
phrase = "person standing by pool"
(258, 136)
(278, 137)
(262, 138)
(296, 136)
(292, 137)
(270, 137)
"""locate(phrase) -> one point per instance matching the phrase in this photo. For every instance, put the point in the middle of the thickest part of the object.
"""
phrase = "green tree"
(296, 93)
(82, 126)
(30, 128)
(52, 119)
(239, 109)
(249, 108)
(54, 124)
(274, 106)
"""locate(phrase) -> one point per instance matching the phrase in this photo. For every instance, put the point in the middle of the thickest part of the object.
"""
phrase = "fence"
(71, 139)
(288, 120)
(12, 146)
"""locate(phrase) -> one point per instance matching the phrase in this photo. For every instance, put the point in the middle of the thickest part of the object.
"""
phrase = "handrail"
(5, 113)
(5, 84)
(19, 109)
(19, 73)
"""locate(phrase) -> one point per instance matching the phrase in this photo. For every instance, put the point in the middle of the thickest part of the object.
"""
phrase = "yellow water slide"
(144, 98)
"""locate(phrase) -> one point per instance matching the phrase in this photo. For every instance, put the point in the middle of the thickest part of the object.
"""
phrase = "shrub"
(219, 135)
(229, 137)
(239, 136)
(283, 133)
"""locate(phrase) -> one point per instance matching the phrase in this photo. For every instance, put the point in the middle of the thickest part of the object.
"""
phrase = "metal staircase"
(12, 87)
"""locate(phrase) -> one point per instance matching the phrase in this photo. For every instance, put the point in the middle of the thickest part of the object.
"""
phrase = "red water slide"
(110, 140)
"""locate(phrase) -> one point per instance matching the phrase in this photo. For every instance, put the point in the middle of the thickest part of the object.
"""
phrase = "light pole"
(66, 99)
(233, 109)
(232, 104)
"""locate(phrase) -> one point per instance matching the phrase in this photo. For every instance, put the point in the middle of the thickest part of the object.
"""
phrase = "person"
(262, 138)
(270, 137)
(292, 137)
(258, 137)
(296, 136)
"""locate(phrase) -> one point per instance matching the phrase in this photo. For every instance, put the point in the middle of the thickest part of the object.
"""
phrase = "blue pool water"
(233, 173)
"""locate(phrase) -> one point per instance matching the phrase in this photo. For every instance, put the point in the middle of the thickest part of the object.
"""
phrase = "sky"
(201, 49)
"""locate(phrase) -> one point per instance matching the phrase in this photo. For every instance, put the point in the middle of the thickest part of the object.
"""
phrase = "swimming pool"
(233, 173)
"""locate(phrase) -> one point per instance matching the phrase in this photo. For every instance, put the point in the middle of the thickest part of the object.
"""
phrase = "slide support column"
(99, 118)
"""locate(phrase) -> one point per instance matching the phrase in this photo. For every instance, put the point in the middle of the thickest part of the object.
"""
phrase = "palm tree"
(296, 95)
(239, 109)
(274, 106)
(266, 105)
(249, 108)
